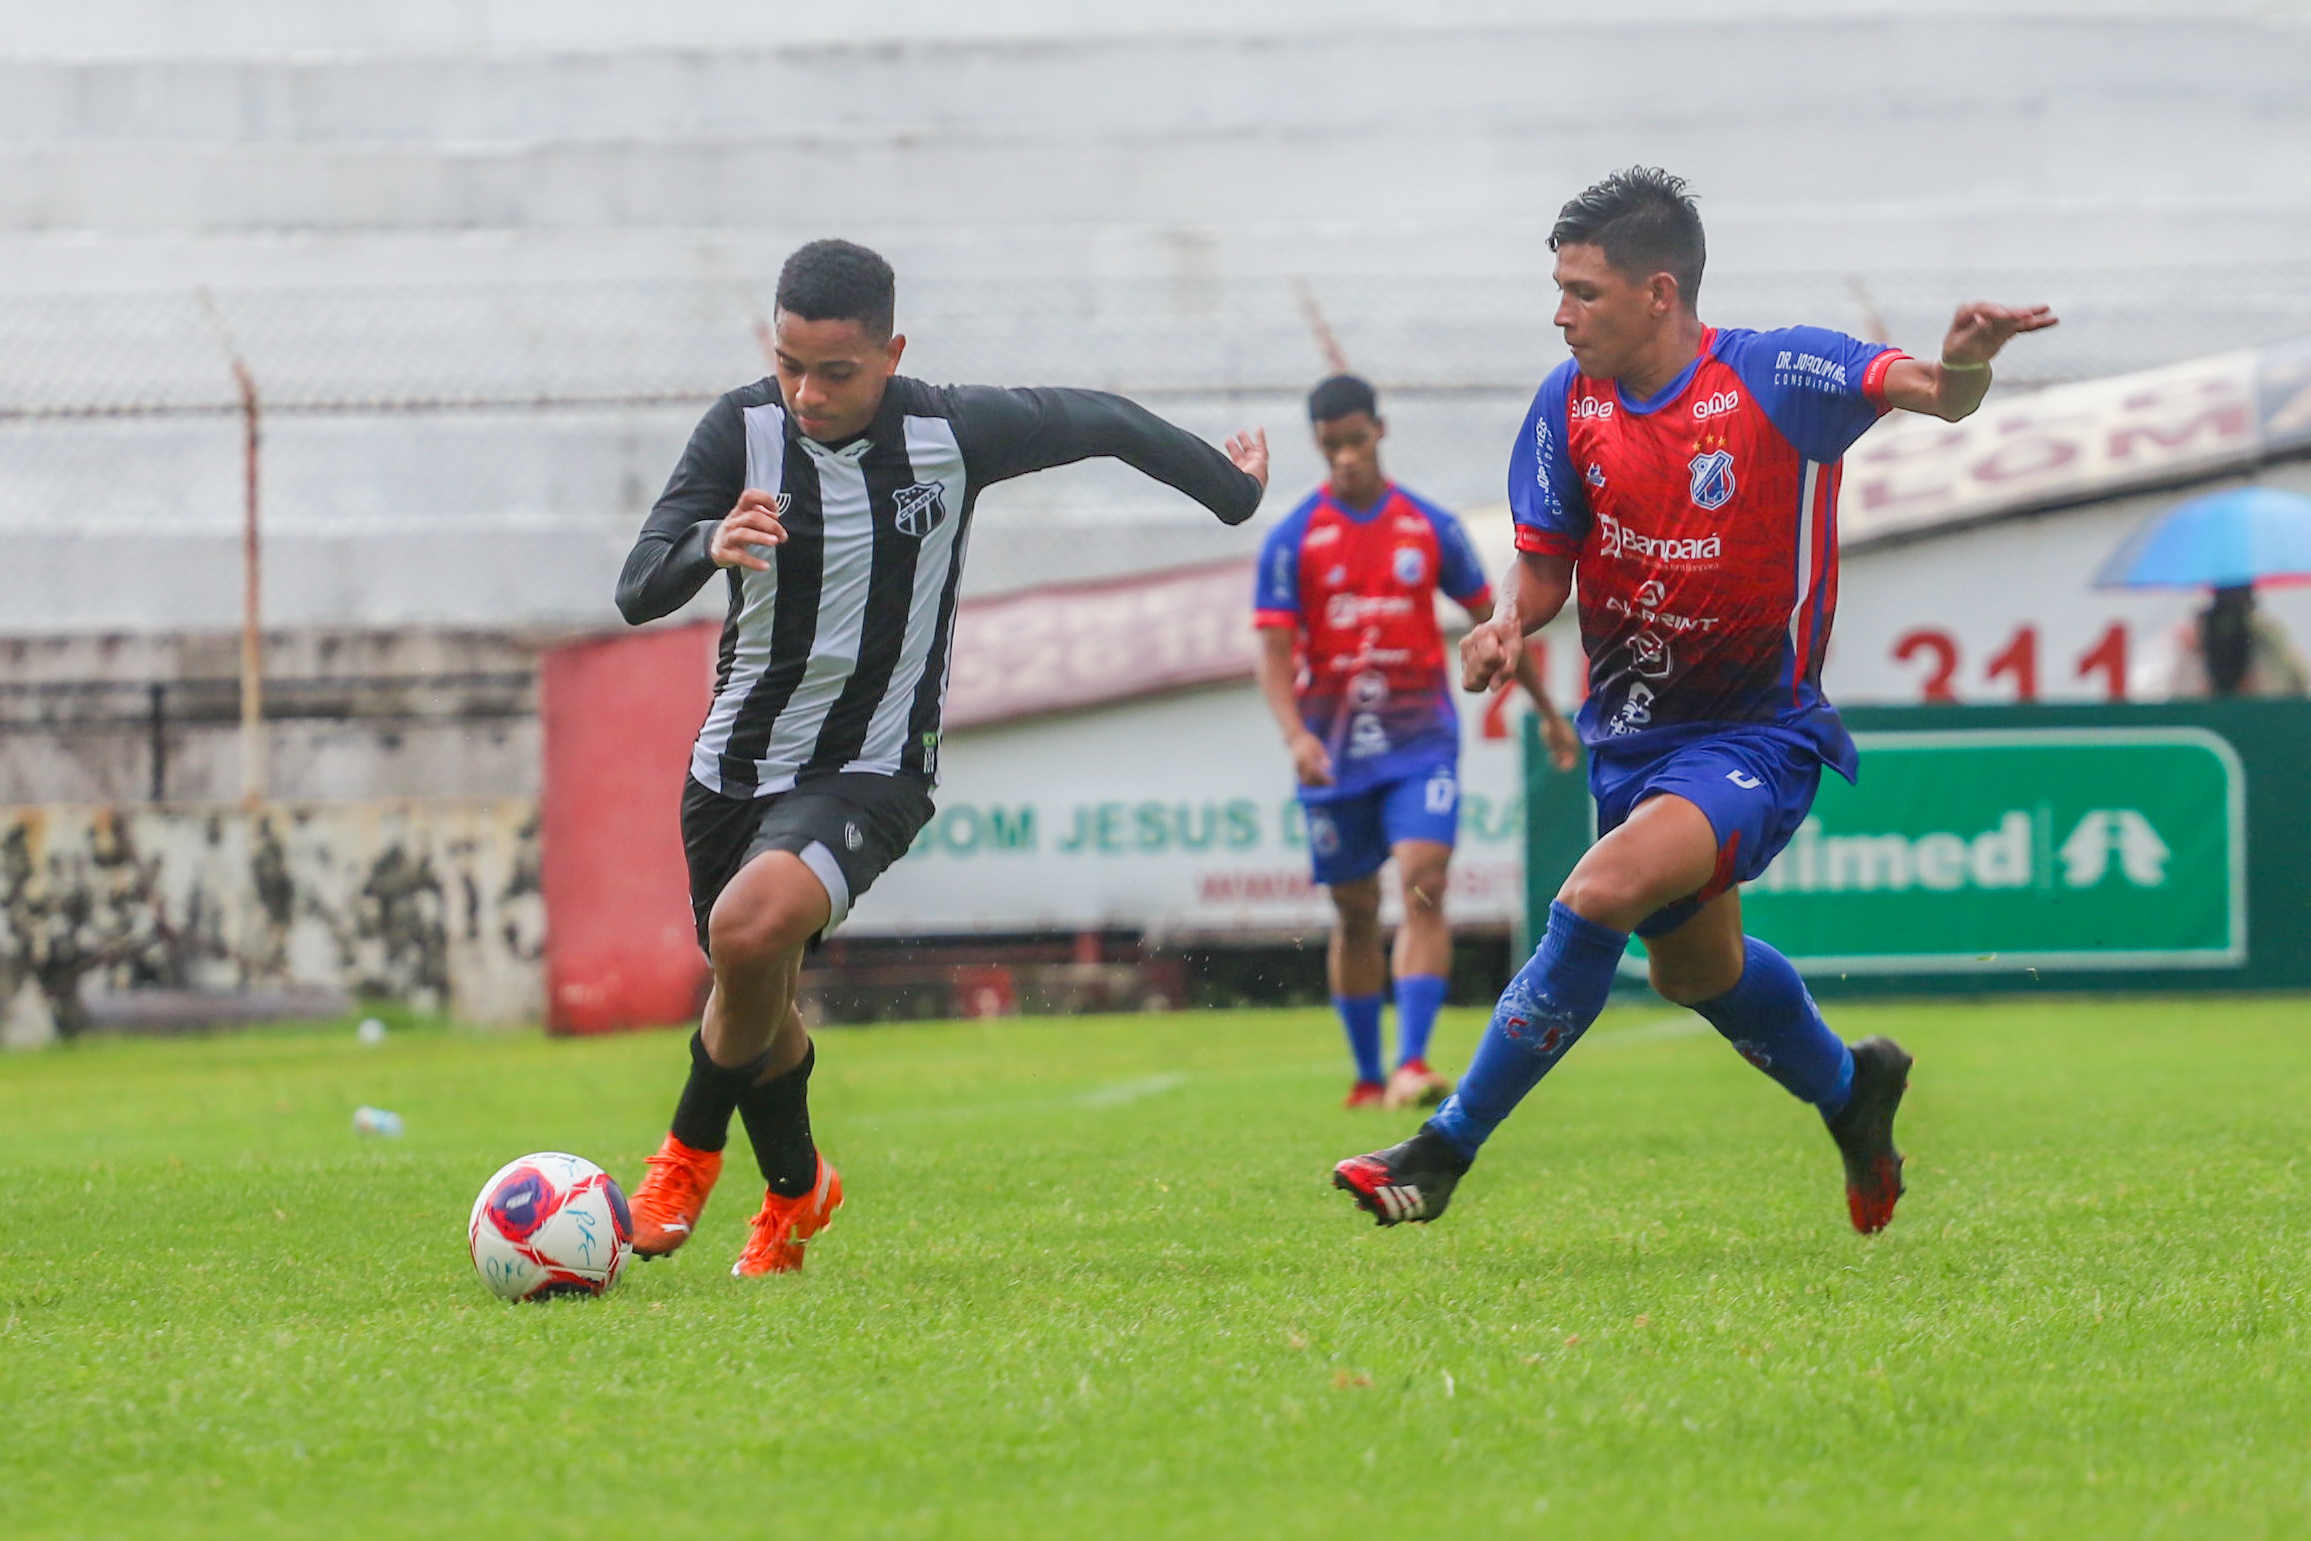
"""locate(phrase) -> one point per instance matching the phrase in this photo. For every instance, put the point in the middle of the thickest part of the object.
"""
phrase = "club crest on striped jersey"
(1712, 484)
(920, 509)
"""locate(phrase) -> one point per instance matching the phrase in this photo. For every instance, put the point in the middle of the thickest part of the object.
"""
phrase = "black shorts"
(846, 828)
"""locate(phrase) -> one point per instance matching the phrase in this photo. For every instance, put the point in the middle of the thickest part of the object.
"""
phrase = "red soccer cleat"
(1366, 1094)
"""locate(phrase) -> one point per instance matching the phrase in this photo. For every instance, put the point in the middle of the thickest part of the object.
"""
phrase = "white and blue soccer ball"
(550, 1224)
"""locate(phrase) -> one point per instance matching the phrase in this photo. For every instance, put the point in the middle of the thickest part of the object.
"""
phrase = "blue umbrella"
(2222, 540)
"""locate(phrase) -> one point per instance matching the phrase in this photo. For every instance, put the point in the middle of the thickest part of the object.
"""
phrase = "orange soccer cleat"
(785, 1225)
(667, 1205)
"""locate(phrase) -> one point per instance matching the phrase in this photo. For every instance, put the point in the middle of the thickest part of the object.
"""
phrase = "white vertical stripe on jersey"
(933, 456)
(846, 570)
(1805, 563)
(758, 601)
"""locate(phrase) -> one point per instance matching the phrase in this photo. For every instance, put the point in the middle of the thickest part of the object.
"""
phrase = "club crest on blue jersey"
(1411, 567)
(1712, 479)
(920, 509)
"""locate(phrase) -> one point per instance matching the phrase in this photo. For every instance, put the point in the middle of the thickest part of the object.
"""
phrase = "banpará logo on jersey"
(1590, 406)
(1410, 565)
(920, 509)
(1345, 610)
(1712, 485)
(1617, 539)
(1716, 405)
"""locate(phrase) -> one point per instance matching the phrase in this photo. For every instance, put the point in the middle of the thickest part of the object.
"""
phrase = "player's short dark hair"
(1342, 396)
(840, 281)
(1644, 221)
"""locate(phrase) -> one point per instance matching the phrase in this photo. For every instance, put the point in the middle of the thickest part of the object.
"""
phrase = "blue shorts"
(1350, 836)
(1755, 785)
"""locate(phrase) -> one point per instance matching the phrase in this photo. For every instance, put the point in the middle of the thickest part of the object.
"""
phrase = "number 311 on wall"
(1938, 652)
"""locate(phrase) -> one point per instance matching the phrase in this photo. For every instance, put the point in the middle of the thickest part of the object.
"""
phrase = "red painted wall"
(619, 714)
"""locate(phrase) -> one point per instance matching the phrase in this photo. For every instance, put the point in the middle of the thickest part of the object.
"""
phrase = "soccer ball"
(550, 1224)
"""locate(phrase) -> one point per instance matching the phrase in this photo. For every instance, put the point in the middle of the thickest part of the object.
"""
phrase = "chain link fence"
(481, 454)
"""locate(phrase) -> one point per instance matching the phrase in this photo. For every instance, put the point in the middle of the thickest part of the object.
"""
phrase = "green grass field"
(1091, 1283)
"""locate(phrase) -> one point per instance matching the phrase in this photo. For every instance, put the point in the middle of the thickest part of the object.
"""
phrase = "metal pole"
(160, 742)
(252, 569)
(252, 604)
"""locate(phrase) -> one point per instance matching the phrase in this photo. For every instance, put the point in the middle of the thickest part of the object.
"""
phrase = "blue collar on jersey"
(1387, 491)
(1670, 392)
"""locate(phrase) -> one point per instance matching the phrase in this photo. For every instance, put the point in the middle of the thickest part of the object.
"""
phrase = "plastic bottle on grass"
(376, 1121)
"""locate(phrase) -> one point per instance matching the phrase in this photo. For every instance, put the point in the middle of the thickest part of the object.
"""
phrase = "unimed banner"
(2028, 848)
(2070, 847)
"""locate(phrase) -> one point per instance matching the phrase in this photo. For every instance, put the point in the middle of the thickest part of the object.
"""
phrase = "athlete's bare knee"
(1604, 896)
(749, 938)
(1424, 889)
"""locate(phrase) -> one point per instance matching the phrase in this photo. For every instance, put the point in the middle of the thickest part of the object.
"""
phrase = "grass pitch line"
(1120, 1094)
(1133, 1091)
(1659, 1030)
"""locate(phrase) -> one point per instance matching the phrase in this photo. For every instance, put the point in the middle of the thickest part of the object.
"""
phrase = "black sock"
(702, 1117)
(777, 1115)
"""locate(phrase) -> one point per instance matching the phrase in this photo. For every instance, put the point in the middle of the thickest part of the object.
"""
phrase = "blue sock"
(1360, 1015)
(1544, 1011)
(1417, 998)
(1771, 1018)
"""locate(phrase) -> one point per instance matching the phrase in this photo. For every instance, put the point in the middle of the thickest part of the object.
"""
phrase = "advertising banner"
(2069, 847)
(2025, 849)
(1172, 814)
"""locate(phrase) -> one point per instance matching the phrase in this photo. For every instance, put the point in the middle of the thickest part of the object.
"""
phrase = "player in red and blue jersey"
(1690, 476)
(1352, 664)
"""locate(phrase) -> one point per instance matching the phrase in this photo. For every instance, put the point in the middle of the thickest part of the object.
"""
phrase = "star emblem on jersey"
(919, 509)
(1712, 484)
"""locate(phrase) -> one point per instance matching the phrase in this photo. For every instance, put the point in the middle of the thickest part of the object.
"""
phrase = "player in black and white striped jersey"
(837, 496)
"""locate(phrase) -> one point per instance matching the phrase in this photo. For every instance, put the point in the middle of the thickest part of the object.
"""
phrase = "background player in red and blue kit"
(1352, 664)
(1690, 476)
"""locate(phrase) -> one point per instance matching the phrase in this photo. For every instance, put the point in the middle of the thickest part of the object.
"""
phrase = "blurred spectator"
(2230, 648)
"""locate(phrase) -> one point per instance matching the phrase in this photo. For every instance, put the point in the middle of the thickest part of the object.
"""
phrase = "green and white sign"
(2000, 850)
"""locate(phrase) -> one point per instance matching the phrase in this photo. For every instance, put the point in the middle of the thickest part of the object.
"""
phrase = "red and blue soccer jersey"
(1703, 523)
(1359, 591)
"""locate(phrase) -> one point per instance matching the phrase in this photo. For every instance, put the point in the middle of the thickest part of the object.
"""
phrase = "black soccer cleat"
(1411, 1181)
(1864, 1131)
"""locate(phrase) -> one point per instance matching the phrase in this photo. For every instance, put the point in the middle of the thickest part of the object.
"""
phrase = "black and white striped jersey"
(836, 658)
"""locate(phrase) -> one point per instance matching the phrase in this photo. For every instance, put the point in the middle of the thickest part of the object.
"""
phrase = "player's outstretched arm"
(1007, 433)
(1953, 388)
(1535, 589)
